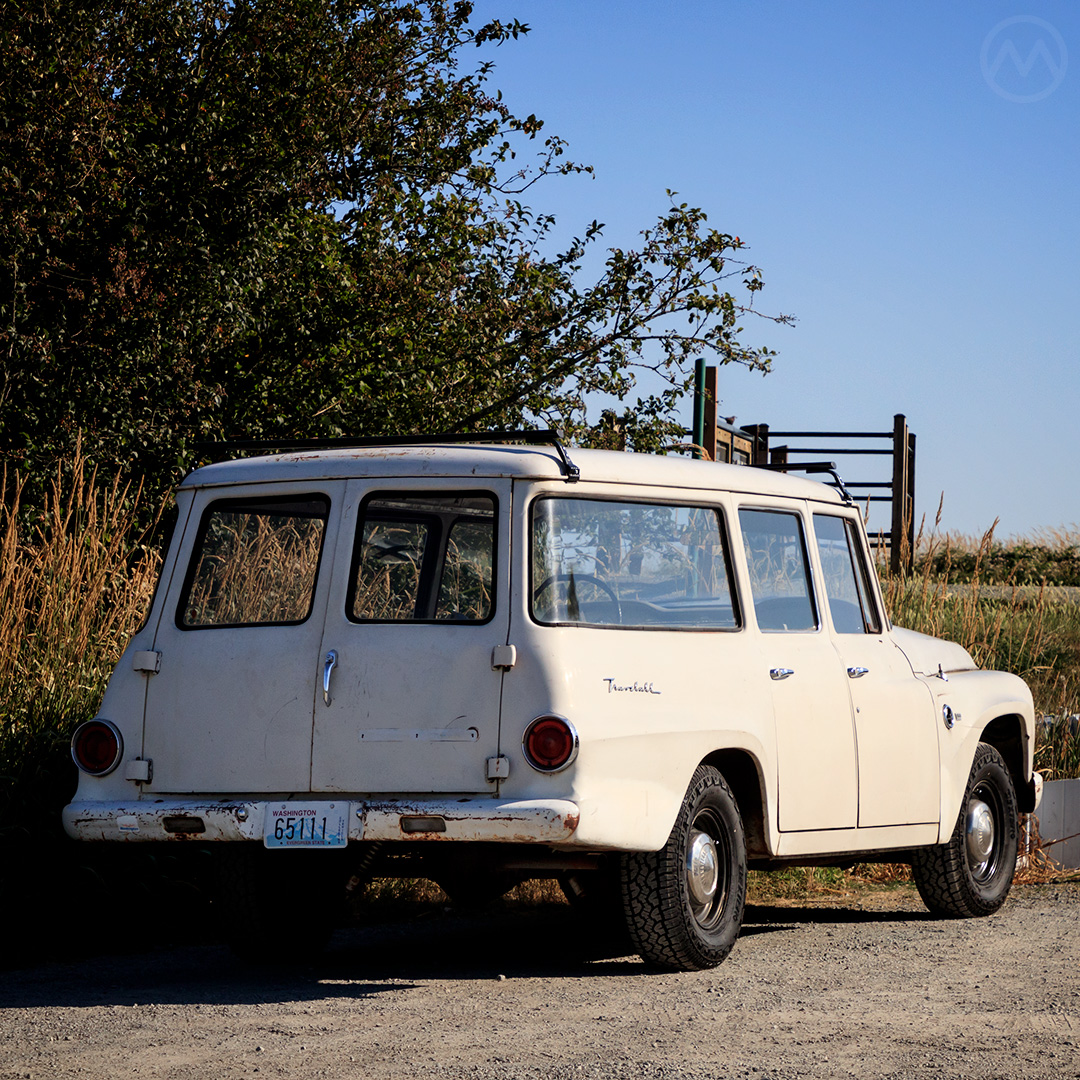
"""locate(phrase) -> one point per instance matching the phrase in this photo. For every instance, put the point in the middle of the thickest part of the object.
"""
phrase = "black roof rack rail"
(813, 467)
(530, 438)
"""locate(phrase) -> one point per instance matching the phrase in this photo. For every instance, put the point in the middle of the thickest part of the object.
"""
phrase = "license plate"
(306, 825)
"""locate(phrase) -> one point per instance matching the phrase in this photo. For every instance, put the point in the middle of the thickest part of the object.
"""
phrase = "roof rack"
(530, 438)
(813, 467)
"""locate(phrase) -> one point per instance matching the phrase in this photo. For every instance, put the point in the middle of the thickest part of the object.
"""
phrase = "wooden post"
(708, 440)
(760, 434)
(699, 406)
(911, 499)
(901, 514)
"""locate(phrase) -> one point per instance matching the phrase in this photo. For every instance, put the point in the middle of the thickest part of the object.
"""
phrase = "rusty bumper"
(534, 821)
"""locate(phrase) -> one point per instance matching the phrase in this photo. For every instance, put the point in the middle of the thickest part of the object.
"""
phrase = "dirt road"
(869, 988)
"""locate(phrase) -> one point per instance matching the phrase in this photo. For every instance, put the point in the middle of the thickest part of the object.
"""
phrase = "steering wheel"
(578, 579)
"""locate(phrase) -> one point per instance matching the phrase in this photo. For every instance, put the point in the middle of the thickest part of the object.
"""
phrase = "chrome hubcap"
(702, 868)
(980, 836)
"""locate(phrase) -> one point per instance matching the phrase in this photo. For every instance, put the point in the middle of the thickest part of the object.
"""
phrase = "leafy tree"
(304, 217)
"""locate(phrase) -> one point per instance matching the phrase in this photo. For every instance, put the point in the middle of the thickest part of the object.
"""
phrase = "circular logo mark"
(1024, 59)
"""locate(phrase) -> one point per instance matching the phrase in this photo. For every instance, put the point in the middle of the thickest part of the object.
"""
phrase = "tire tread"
(653, 897)
(940, 871)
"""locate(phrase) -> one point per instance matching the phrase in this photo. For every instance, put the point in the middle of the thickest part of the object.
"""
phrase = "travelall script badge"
(630, 688)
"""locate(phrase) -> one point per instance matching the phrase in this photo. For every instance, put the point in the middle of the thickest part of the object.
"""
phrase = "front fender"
(987, 706)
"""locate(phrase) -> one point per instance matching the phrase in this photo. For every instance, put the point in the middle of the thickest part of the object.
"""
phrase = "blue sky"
(907, 199)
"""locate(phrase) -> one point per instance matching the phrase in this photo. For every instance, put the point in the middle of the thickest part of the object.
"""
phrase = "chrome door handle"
(857, 672)
(328, 667)
(778, 673)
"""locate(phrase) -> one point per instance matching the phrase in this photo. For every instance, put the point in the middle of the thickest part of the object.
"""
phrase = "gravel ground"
(863, 986)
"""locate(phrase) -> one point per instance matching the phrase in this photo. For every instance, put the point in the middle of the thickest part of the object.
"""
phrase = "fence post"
(911, 499)
(902, 513)
(708, 438)
(759, 433)
(699, 406)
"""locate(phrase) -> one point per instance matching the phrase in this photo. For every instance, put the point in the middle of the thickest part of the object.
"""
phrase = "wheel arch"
(742, 771)
(1006, 734)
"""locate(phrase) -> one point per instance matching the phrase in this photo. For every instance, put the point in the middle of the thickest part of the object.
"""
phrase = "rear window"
(424, 558)
(597, 562)
(255, 562)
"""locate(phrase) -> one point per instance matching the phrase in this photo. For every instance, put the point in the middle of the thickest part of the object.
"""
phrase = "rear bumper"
(535, 821)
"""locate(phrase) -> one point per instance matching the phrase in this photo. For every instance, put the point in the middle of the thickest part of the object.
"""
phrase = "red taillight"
(97, 747)
(550, 743)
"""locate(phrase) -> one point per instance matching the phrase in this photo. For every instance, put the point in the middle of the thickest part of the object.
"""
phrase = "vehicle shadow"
(757, 915)
(368, 959)
(362, 960)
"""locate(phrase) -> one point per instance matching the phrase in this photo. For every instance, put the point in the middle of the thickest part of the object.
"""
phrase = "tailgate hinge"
(148, 662)
(141, 770)
(503, 657)
(498, 768)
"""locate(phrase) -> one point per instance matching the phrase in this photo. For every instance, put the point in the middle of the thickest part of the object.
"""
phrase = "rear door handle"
(778, 673)
(328, 667)
(857, 672)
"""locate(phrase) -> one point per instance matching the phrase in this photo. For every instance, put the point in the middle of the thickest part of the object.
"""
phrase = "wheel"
(572, 583)
(971, 874)
(684, 903)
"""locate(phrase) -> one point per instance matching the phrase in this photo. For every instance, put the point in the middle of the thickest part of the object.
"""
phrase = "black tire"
(278, 906)
(684, 903)
(971, 875)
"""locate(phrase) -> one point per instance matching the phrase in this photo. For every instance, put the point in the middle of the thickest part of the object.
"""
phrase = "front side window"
(602, 563)
(779, 570)
(847, 584)
(424, 558)
(255, 562)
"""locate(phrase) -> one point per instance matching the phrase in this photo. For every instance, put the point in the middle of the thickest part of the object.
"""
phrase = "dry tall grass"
(74, 583)
(1033, 631)
(1062, 539)
(76, 578)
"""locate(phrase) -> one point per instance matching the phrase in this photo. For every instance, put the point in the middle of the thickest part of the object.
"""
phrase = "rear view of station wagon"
(479, 663)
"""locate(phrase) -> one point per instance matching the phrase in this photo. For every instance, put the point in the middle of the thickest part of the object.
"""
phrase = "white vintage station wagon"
(484, 662)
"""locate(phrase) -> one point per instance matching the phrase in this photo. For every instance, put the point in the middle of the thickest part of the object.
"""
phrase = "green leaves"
(237, 218)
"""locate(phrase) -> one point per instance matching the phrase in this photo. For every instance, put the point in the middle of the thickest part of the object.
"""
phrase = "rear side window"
(779, 569)
(847, 583)
(255, 562)
(602, 563)
(424, 558)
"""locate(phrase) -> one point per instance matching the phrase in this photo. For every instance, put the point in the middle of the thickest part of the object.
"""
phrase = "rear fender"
(630, 788)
